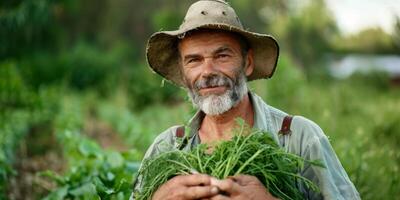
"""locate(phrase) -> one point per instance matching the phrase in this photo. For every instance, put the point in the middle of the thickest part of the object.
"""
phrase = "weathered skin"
(205, 54)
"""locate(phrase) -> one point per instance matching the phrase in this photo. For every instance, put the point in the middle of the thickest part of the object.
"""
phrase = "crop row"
(20, 110)
(12, 130)
(93, 173)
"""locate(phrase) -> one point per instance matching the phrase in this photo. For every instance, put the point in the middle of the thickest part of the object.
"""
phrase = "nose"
(209, 67)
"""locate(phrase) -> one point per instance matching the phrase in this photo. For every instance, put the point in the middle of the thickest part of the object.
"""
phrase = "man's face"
(214, 70)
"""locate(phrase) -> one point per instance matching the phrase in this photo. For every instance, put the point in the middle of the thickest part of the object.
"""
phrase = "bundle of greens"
(255, 154)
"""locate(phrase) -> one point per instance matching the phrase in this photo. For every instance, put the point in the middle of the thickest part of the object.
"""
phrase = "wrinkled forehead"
(208, 34)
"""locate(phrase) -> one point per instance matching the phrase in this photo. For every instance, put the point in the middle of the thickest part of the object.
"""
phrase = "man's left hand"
(241, 187)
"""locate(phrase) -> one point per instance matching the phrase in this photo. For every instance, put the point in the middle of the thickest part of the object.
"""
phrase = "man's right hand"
(186, 187)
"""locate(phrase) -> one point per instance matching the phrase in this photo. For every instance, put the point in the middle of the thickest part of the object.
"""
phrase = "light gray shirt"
(306, 140)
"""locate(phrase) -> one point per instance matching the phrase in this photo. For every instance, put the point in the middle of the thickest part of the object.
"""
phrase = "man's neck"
(219, 127)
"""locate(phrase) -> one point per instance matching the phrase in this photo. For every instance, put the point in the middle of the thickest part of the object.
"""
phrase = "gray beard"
(219, 104)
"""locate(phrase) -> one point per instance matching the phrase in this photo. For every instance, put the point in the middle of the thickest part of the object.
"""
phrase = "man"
(212, 56)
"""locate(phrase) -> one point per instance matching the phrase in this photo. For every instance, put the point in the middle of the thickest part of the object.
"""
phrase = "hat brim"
(163, 55)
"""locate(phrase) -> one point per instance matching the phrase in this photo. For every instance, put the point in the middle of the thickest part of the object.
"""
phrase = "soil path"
(38, 152)
(104, 134)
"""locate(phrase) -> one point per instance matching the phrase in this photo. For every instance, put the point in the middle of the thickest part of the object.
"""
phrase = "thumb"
(243, 179)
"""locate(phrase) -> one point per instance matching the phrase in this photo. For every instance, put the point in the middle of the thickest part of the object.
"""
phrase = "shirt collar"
(262, 115)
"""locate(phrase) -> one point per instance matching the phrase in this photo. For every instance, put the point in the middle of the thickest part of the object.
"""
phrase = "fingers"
(193, 180)
(195, 186)
(227, 185)
(220, 197)
(242, 179)
(198, 192)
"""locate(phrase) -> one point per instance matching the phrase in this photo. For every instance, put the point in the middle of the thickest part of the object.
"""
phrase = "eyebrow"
(224, 48)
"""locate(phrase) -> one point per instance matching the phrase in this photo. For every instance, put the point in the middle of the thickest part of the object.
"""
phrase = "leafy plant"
(93, 173)
(256, 154)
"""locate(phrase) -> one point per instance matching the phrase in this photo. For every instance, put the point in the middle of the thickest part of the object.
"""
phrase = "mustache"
(213, 81)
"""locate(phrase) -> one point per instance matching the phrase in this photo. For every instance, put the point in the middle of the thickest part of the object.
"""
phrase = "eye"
(193, 60)
(223, 56)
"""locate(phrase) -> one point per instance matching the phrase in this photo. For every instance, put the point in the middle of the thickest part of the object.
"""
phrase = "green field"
(100, 140)
(79, 105)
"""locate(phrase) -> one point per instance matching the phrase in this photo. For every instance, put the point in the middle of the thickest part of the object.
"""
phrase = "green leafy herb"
(255, 154)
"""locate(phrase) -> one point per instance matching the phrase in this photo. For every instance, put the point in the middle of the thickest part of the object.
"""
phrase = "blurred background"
(79, 105)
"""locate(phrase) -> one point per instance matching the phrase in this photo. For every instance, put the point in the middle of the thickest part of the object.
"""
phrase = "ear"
(249, 62)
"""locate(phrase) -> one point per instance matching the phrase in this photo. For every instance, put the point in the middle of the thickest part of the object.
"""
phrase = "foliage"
(137, 128)
(286, 87)
(83, 66)
(148, 87)
(16, 94)
(20, 109)
(25, 27)
(13, 92)
(93, 173)
(126, 124)
(357, 114)
(371, 40)
(252, 153)
(396, 34)
(12, 130)
(52, 48)
(307, 33)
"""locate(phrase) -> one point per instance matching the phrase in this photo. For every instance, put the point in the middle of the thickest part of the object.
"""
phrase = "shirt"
(306, 140)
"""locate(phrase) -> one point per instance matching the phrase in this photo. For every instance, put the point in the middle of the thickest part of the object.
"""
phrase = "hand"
(241, 187)
(186, 187)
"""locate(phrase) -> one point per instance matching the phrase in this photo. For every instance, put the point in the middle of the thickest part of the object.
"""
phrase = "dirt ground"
(40, 151)
(105, 136)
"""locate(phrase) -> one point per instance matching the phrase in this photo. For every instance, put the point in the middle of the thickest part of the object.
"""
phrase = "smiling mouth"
(213, 90)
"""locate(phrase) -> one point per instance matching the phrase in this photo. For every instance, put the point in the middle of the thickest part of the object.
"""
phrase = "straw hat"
(162, 47)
